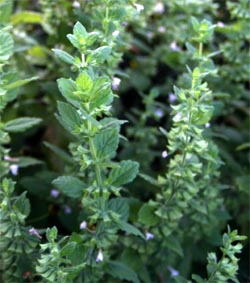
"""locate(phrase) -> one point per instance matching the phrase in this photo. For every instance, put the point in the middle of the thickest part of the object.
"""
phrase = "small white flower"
(174, 46)
(76, 4)
(115, 83)
(139, 7)
(83, 225)
(115, 33)
(173, 272)
(159, 8)
(159, 113)
(171, 97)
(99, 256)
(149, 236)
(67, 209)
(150, 35)
(164, 154)
(54, 193)
(14, 169)
(178, 116)
(220, 24)
(33, 232)
(161, 29)
(7, 158)
(207, 125)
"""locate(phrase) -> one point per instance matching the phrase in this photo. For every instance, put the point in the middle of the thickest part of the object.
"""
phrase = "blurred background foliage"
(154, 59)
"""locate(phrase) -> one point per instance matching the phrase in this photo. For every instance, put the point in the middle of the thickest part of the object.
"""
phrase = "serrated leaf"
(70, 186)
(6, 45)
(99, 55)
(106, 143)
(67, 88)
(125, 174)
(27, 17)
(119, 206)
(70, 118)
(120, 270)
(147, 216)
(21, 124)
(126, 227)
(64, 56)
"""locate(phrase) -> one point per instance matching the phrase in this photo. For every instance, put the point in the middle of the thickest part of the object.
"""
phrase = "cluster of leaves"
(105, 230)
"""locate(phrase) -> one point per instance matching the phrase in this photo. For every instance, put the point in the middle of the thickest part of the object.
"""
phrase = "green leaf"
(126, 227)
(59, 152)
(70, 118)
(5, 11)
(28, 161)
(243, 183)
(106, 143)
(101, 93)
(174, 245)
(79, 31)
(84, 82)
(27, 17)
(70, 186)
(125, 174)
(19, 83)
(68, 249)
(119, 206)
(120, 270)
(64, 56)
(51, 234)
(67, 88)
(21, 124)
(99, 55)
(6, 46)
(147, 216)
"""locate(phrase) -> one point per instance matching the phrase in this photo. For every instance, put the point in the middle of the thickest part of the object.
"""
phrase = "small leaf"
(20, 83)
(6, 46)
(67, 88)
(27, 17)
(68, 249)
(99, 55)
(70, 118)
(64, 56)
(106, 143)
(79, 31)
(174, 245)
(147, 216)
(59, 152)
(119, 206)
(120, 270)
(125, 174)
(51, 234)
(21, 124)
(28, 161)
(70, 186)
(126, 227)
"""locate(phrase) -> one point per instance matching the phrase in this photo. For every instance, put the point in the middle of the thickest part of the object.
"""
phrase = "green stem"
(200, 49)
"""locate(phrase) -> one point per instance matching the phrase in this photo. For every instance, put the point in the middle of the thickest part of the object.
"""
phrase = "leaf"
(70, 118)
(27, 17)
(51, 234)
(59, 152)
(147, 216)
(67, 88)
(67, 249)
(6, 45)
(99, 55)
(84, 82)
(119, 206)
(5, 11)
(243, 183)
(28, 161)
(70, 186)
(125, 174)
(106, 143)
(20, 83)
(21, 124)
(64, 56)
(120, 270)
(79, 31)
(126, 227)
(174, 245)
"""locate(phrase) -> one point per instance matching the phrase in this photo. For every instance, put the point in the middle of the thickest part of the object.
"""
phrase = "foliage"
(147, 157)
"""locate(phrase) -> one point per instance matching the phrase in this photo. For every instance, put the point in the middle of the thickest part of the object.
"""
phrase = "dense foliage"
(124, 141)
